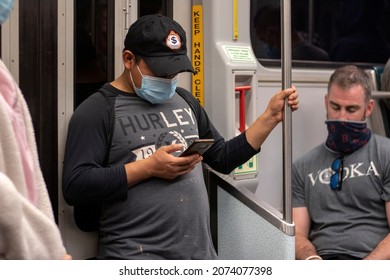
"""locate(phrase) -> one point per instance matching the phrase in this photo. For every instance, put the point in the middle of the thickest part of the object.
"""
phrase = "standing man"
(341, 189)
(154, 204)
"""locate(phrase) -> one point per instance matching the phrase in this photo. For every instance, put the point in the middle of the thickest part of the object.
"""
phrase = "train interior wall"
(38, 80)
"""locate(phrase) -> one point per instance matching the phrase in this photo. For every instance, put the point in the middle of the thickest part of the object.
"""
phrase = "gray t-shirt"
(160, 218)
(353, 220)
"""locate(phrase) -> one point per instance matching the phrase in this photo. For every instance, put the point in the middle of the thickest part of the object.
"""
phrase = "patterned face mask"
(345, 137)
(5, 9)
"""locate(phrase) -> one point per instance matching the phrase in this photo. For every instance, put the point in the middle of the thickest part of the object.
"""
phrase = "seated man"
(341, 189)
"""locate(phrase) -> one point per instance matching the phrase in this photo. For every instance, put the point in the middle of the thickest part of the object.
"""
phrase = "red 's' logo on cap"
(173, 41)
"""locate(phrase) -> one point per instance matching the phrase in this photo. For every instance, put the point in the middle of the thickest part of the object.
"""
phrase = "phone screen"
(199, 146)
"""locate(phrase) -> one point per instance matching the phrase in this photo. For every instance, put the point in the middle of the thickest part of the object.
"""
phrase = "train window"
(94, 58)
(334, 30)
(146, 7)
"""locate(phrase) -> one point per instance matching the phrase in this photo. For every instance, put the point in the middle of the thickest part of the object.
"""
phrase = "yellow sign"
(197, 53)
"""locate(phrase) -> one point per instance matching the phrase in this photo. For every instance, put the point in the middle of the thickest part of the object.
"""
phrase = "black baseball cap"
(161, 42)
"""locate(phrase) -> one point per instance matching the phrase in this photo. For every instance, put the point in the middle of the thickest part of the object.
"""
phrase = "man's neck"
(122, 84)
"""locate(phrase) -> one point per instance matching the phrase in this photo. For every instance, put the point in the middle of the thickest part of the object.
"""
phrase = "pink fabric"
(8, 91)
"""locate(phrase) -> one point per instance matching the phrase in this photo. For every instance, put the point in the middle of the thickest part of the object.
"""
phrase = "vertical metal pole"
(287, 131)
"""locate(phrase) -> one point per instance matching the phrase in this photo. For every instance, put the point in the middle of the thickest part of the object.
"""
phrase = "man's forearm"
(304, 248)
(382, 251)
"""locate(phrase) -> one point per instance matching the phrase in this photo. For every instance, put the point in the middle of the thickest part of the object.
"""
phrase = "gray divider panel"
(246, 227)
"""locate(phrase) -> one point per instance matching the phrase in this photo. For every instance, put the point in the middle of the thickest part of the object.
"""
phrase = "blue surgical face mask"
(154, 89)
(5, 9)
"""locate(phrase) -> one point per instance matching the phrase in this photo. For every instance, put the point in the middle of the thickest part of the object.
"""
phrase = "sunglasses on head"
(336, 180)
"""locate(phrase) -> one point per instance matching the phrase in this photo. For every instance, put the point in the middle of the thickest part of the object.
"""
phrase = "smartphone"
(199, 146)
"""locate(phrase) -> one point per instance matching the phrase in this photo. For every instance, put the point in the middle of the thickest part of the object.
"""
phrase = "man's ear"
(128, 59)
(370, 108)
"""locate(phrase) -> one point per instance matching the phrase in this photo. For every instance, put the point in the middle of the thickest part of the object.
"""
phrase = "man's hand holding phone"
(198, 146)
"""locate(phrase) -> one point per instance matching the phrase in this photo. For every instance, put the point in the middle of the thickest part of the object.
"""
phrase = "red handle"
(241, 90)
